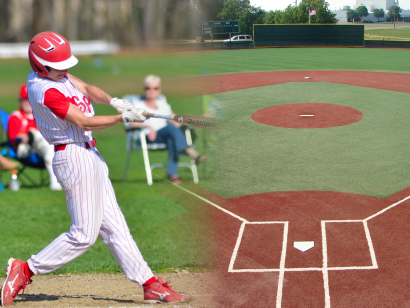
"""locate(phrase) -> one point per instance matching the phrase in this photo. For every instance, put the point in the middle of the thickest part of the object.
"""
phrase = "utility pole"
(394, 15)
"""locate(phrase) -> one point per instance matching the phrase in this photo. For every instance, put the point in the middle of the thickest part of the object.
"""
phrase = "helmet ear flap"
(35, 64)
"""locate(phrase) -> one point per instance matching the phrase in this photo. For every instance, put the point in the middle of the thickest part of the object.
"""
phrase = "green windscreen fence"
(308, 35)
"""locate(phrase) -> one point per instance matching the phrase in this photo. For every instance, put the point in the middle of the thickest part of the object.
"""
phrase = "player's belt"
(61, 147)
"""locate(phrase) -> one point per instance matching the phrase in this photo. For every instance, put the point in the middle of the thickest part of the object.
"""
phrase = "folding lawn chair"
(33, 161)
(136, 140)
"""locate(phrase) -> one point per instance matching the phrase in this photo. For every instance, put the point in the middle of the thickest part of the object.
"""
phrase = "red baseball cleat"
(160, 292)
(16, 280)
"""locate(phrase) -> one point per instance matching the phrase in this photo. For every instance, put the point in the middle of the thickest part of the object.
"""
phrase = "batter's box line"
(324, 249)
(282, 268)
(240, 235)
(301, 269)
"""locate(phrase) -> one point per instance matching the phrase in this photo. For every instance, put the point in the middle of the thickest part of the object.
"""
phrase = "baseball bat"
(190, 120)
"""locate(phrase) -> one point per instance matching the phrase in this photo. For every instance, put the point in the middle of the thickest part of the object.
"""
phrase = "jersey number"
(83, 105)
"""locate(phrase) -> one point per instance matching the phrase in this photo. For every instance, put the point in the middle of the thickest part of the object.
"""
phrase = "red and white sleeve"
(57, 102)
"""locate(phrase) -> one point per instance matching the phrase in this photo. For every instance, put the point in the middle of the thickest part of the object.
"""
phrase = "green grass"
(386, 24)
(403, 33)
(169, 232)
(124, 74)
(31, 218)
(369, 157)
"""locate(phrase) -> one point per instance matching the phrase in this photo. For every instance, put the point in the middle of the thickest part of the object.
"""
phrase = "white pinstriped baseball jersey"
(54, 129)
(83, 174)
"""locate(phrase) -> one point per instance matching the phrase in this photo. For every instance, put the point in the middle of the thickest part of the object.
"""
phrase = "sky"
(268, 5)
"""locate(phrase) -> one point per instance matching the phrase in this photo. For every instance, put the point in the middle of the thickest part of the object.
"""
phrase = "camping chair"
(33, 161)
(136, 140)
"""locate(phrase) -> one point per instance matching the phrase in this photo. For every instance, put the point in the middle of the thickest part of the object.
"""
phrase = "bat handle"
(161, 116)
(147, 114)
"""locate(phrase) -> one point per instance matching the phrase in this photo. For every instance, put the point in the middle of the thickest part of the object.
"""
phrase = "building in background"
(376, 4)
(371, 5)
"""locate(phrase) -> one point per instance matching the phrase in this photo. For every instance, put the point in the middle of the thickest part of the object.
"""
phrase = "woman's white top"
(163, 108)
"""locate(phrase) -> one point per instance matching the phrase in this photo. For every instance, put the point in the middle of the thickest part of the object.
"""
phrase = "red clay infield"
(307, 115)
(398, 82)
(361, 247)
(360, 257)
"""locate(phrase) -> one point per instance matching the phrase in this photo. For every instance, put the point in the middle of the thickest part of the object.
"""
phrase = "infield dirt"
(110, 290)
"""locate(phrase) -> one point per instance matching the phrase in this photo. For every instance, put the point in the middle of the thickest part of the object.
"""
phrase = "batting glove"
(120, 105)
(133, 116)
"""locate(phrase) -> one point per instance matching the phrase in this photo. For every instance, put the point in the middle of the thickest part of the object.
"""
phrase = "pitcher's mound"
(307, 115)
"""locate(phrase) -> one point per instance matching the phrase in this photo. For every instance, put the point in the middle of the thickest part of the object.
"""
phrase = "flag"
(312, 12)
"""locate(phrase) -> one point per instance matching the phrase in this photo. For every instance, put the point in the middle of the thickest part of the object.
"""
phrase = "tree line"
(128, 22)
(248, 15)
(141, 22)
(361, 11)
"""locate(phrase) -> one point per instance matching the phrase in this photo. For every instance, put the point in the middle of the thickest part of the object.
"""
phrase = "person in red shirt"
(26, 139)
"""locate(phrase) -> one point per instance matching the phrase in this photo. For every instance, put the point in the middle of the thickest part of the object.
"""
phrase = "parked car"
(239, 39)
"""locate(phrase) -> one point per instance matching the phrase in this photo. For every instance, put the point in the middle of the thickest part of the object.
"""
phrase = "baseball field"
(320, 159)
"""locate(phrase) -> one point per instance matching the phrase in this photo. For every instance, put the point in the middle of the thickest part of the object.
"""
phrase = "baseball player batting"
(65, 117)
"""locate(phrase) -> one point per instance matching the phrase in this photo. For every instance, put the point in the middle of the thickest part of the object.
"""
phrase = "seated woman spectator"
(26, 139)
(161, 130)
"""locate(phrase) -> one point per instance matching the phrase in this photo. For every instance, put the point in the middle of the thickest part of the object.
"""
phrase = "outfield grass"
(124, 74)
(167, 231)
(369, 157)
(386, 25)
(401, 33)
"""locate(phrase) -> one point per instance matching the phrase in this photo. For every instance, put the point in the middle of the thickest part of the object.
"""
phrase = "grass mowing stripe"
(124, 74)
(369, 157)
(31, 218)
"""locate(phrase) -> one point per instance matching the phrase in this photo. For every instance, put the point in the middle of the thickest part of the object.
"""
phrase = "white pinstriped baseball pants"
(94, 212)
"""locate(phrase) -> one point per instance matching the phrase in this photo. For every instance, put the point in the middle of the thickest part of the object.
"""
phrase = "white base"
(303, 245)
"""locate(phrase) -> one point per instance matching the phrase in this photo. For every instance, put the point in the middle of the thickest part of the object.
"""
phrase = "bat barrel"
(201, 122)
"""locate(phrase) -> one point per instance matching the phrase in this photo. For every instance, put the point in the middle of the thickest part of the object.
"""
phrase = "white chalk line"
(235, 250)
(303, 269)
(325, 269)
(387, 208)
(325, 264)
(239, 239)
(370, 243)
(211, 203)
(282, 265)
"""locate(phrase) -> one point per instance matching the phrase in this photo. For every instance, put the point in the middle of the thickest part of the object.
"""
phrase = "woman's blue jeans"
(175, 140)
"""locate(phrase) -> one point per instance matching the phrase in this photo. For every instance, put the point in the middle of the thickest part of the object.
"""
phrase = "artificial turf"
(369, 157)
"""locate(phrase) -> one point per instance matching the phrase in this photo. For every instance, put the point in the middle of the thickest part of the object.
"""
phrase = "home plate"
(308, 77)
(303, 245)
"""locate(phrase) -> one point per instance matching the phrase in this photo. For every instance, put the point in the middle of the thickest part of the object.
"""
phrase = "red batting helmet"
(23, 92)
(50, 49)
